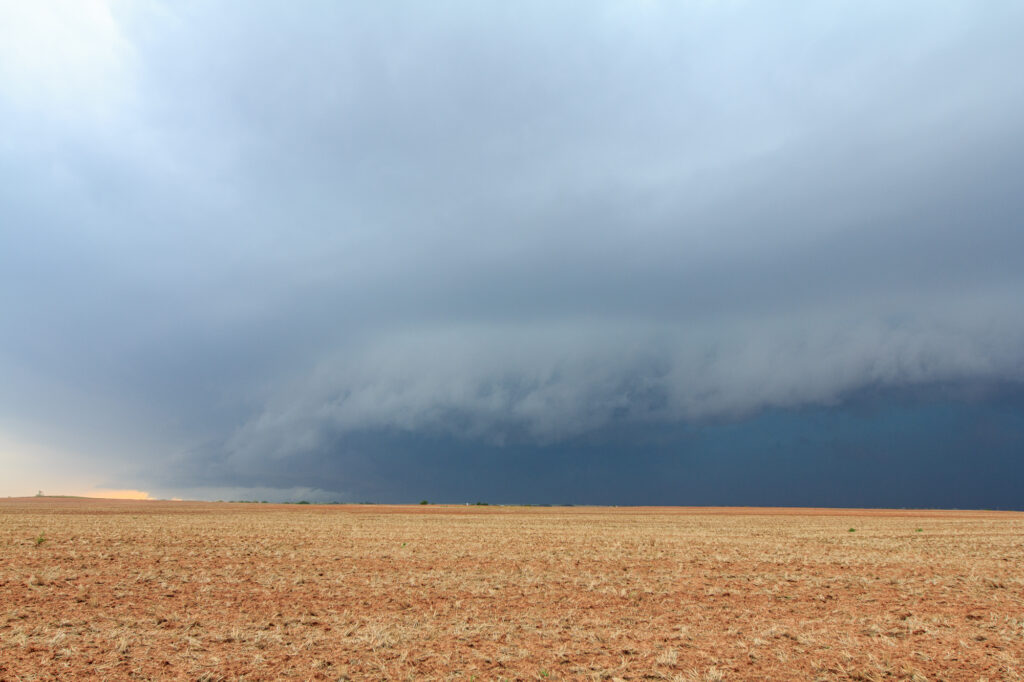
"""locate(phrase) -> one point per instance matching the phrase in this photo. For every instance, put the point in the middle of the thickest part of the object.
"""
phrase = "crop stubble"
(181, 590)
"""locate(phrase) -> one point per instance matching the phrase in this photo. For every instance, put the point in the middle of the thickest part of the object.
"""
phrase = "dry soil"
(179, 590)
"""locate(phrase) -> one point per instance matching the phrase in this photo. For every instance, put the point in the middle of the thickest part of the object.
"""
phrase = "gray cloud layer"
(254, 227)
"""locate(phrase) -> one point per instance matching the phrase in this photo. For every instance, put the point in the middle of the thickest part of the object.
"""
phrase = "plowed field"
(178, 590)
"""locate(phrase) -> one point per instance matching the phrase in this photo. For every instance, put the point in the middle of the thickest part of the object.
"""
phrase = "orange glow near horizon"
(116, 494)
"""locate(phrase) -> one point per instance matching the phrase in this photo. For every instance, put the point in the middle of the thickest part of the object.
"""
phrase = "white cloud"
(64, 60)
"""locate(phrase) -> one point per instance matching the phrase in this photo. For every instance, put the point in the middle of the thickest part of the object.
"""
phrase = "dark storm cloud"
(246, 234)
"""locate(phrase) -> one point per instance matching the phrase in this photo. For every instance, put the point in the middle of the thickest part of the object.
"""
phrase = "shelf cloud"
(234, 236)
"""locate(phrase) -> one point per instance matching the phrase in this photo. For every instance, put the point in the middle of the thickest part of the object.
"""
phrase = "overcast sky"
(611, 252)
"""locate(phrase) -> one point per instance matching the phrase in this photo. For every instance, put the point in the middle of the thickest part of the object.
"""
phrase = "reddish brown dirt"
(181, 590)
